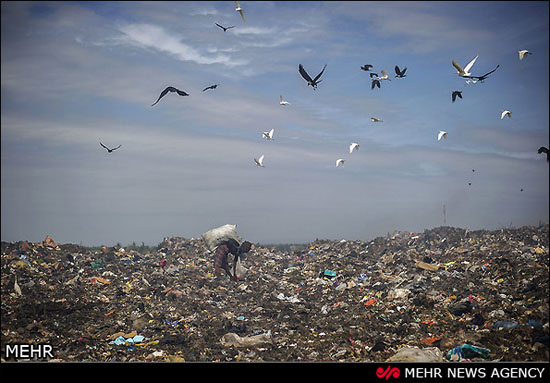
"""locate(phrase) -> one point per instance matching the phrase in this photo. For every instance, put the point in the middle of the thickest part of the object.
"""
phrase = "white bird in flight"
(441, 134)
(260, 161)
(283, 102)
(504, 113)
(384, 75)
(339, 162)
(524, 53)
(353, 146)
(466, 71)
(375, 119)
(240, 10)
(268, 135)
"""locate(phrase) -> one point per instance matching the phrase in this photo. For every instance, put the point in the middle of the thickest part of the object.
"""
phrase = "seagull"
(375, 119)
(398, 73)
(441, 134)
(306, 76)
(268, 135)
(375, 82)
(17, 288)
(210, 87)
(260, 161)
(524, 53)
(366, 67)
(340, 162)
(353, 146)
(224, 28)
(504, 113)
(482, 78)
(384, 75)
(170, 89)
(456, 93)
(283, 102)
(541, 150)
(110, 150)
(239, 9)
(464, 72)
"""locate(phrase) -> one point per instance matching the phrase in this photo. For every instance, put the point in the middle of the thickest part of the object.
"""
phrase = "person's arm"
(235, 260)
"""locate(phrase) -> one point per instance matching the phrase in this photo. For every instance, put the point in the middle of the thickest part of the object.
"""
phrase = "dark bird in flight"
(210, 87)
(456, 93)
(375, 82)
(473, 170)
(224, 28)
(372, 74)
(469, 183)
(170, 89)
(541, 150)
(482, 78)
(398, 73)
(306, 76)
(366, 67)
(110, 150)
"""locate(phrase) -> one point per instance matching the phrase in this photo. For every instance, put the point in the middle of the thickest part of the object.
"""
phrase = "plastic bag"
(240, 270)
(213, 238)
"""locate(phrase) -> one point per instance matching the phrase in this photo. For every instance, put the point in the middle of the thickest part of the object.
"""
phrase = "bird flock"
(376, 81)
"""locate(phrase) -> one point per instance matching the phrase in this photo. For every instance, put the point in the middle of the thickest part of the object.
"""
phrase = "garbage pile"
(447, 294)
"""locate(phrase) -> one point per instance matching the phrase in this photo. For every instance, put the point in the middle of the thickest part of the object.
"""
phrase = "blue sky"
(77, 73)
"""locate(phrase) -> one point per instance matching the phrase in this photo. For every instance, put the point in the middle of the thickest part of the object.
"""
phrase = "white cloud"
(154, 37)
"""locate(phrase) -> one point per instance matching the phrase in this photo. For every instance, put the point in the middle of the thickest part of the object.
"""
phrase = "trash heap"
(447, 294)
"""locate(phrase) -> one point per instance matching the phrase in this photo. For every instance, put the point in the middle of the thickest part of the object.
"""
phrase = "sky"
(74, 74)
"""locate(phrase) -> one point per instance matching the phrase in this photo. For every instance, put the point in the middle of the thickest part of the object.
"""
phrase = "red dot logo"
(388, 372)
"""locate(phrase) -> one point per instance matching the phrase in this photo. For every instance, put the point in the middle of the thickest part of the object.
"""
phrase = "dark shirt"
(220, 259)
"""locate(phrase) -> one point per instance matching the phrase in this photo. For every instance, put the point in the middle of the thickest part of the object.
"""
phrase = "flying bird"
(473, 170)
(469, 183)
(240, 10)
(375, 82)
(455, 94)
(384, 75)
(224, 28)
(340, 162)
(466, 71)
(306, 76)
(372, 74)
(441, 134)
(170, 89)
(471, 81)
(268, 135)
(110, 150)
(210, 87)
(482, 78)
(504, 113)
(541, 150)
(283, 102)
(366, 67)
(353, 146)
(524, 53)
(260, 161)
(399, 73)
(375, 119)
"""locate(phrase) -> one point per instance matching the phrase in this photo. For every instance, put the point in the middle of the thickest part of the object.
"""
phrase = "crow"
(482, 78)
(366, 67)
(210, 87)
(375, 82)
(541, 150)
(224, 28)
(110, 150)
(372, 74)
(306, 76)
(398, 73)
(456, 93)
(170, 89)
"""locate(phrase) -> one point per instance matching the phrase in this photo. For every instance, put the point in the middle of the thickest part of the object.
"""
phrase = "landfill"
(445, 295)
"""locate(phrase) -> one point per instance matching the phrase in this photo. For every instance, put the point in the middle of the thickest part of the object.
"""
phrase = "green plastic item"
(467, 351)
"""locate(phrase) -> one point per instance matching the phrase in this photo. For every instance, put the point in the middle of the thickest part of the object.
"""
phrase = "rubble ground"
(327, 301)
